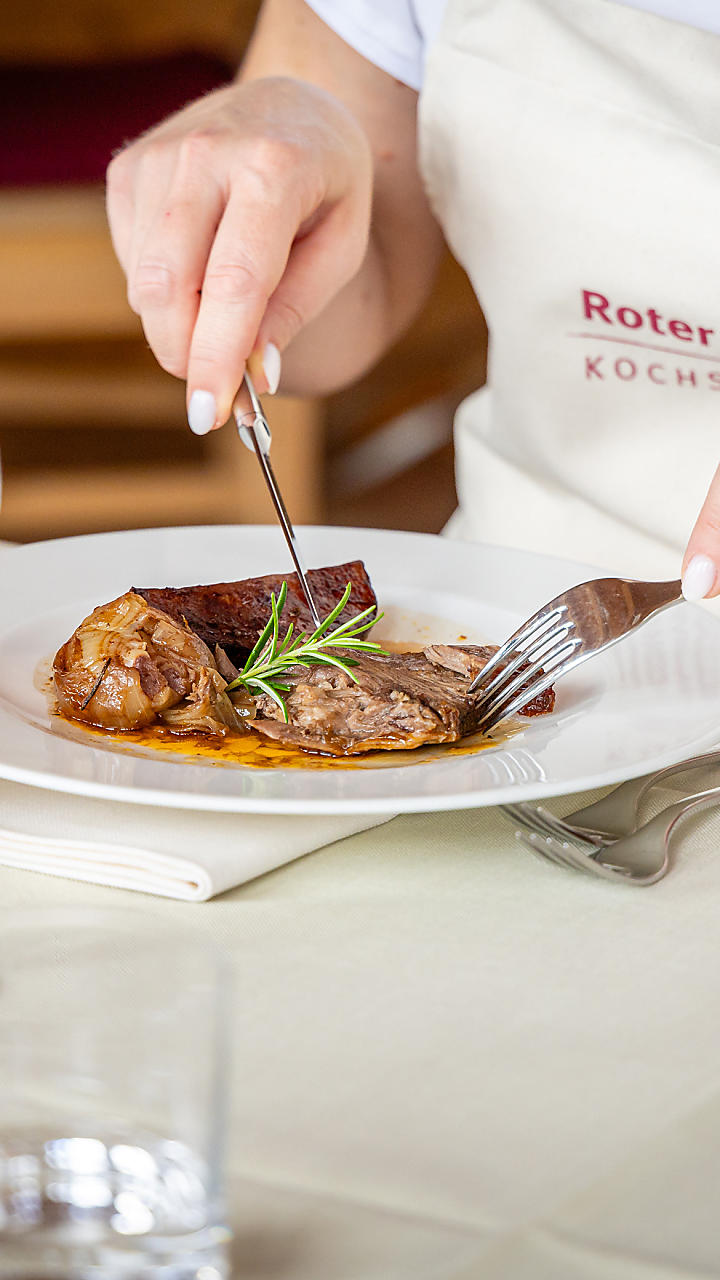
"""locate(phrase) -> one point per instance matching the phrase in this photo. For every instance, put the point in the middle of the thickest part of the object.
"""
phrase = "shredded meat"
(404, 700)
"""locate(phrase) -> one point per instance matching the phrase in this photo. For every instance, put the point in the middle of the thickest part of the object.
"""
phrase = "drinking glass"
(113, 1068)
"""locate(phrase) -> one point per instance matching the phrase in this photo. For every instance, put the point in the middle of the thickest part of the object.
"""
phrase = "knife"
(257, 437)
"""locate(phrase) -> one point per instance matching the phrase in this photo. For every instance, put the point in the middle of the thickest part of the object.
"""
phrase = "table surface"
(454, 1061)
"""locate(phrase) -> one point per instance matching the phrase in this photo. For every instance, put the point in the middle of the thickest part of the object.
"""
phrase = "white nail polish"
(272, 363)
(202, 412)
(698, 578)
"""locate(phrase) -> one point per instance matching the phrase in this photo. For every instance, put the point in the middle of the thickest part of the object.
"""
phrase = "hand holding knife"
(256, 435)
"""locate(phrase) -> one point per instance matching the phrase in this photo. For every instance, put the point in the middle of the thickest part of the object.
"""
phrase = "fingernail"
(272, 363)
(202, 412)
(698, 578)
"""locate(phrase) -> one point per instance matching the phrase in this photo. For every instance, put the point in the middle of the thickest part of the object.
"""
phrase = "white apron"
(570, 150)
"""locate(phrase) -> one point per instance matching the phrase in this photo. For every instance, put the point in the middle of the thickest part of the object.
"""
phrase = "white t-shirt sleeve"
(383, 31)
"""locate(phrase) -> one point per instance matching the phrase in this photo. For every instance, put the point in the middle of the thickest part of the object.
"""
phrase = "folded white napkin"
(176, 853)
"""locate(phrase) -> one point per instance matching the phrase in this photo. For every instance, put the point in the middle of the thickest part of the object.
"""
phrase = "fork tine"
(536, 845)
(563, 853)
(548, 848)
(535, 818)
(502, 708)
(525, 829)
(523, 688)
(529, 662)
(538, 822)
(599, 612)
(533, 653)
(530, 630)
(539, 834)
(567, 853)
(543, 844)
(547, 821)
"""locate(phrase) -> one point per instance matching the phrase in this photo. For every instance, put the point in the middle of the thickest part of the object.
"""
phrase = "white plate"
(647, 702)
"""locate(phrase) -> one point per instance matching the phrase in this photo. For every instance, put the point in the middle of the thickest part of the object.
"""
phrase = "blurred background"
(93, 433)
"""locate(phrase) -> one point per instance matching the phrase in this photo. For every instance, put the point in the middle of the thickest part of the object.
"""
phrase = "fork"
(563, 633)
(641, 858)
(547, 837)
(616, 814)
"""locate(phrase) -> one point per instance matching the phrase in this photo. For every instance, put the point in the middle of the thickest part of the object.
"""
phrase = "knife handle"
(259, 424)
(262, 433)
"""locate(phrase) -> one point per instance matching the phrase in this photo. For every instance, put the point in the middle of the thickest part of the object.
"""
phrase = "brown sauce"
(248, 749)
(251, 751)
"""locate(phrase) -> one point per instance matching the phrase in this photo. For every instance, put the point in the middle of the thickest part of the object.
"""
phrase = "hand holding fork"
(565, 632)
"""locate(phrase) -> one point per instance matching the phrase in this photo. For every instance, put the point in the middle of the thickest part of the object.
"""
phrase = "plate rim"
(516, 793)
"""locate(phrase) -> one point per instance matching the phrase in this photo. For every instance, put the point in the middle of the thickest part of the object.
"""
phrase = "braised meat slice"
(232, 614)
(400, 701)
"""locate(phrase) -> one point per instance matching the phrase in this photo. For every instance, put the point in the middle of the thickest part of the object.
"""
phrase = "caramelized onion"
(129, 665)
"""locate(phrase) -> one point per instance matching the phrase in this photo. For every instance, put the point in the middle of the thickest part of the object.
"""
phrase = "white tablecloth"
(454, 1062)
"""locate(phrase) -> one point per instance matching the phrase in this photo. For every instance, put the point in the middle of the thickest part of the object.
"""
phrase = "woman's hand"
(244, 223)
(236, 222)
(701, 565)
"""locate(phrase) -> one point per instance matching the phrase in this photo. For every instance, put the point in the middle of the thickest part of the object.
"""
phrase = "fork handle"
(622, 803)
(626, 603)
(639, 852)
(648, 598)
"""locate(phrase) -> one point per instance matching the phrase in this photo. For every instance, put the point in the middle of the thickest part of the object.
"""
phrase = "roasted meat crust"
(232, 614)
(401, 701)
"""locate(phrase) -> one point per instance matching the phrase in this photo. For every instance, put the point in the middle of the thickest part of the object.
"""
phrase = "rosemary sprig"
(272, 656)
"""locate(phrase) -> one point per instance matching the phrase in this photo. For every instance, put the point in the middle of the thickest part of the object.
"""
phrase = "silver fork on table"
(640, 858)
(616, 814)
(563, 633)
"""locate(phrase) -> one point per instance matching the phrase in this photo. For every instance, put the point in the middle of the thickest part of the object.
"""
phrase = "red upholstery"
(62, 123)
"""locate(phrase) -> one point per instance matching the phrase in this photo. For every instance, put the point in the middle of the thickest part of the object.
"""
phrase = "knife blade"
(256, 436)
